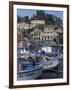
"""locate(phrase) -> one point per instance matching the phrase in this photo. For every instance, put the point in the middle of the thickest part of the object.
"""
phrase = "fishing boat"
(28, 69)
(29, 73)
(50, 57)
(50, 64)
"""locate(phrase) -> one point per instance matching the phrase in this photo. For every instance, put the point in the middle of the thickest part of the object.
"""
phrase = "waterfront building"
(47, 33)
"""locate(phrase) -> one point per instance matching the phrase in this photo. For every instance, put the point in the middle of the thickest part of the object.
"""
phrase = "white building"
(47, 34)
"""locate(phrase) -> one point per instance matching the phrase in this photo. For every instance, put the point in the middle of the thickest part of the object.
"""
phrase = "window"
(48, 37)
(42, 38)
(45, 37)
(54, 39)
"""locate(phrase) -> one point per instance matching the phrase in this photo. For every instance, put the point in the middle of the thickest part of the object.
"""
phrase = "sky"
(30, 12)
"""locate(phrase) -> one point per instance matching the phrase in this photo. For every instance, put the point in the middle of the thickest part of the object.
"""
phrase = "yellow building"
(35, 22)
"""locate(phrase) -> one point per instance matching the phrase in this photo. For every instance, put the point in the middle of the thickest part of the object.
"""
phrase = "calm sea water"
(53, 73)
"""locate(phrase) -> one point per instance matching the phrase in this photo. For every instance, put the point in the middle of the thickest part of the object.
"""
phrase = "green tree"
(40, 14)
(26, 19)
(19, 19)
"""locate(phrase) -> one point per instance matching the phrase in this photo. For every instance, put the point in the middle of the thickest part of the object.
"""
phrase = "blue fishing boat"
(28, 69)
(29, 73)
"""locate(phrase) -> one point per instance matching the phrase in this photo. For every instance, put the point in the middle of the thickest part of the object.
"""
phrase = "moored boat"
(50, 64)
(28, 69)
(30, 73)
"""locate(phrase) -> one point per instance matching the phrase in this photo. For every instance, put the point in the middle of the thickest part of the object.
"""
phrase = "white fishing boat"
(50, 57)
(50, 64)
